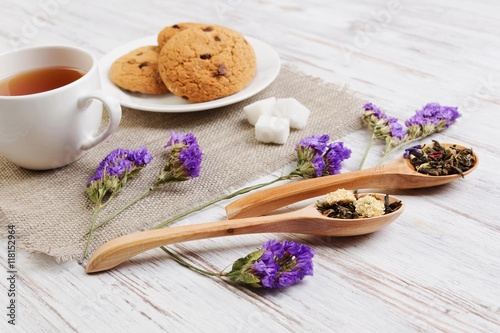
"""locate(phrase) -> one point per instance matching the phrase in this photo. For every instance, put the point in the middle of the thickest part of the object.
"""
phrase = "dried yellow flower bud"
(369, 206)
(340, 195)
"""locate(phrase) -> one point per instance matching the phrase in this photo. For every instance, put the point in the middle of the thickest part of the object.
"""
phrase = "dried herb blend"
(437, 160)
(343, 204)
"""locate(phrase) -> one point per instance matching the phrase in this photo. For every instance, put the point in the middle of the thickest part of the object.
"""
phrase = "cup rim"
(46, 47)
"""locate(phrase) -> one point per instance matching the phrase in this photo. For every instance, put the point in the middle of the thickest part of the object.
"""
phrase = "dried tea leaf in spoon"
(438, 160)
(344, 204)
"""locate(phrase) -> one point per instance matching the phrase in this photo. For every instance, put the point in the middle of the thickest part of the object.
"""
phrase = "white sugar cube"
(293, 110)
(272, 129)
(256, 109)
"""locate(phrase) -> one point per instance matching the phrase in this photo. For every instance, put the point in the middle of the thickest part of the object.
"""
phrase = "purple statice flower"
(382, 125)
(315, 142)
(310, 150)
(111, 159)
(283, 264)
(336, 153)
(275, 265)
(140, 157)
(181, 138)
(316, 157)
(432, 118)
(114, 171)
(396, 128)
(120, 161)
(318, 165)
(266, 269)
(376, 111)
(434, 113)
(191, 160)
(119, 168)
(275, 248)
(184, 158)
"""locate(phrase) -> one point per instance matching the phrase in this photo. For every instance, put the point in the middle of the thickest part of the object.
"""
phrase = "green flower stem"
(389, 152)
(392, 150)
(363, 159)
(229, 196)
(188, 265)
(121, 210)
(100, 206)
(91, 231)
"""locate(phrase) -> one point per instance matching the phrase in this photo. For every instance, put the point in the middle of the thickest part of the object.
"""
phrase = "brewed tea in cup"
(39, 80)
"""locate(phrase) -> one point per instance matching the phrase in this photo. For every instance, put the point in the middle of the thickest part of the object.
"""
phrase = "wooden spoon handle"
(120, 249)
(264, 201)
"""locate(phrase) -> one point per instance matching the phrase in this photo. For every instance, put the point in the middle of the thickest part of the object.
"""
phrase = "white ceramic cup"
(51, 129)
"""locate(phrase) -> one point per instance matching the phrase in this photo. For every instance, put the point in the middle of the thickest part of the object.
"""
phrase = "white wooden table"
(436, 269)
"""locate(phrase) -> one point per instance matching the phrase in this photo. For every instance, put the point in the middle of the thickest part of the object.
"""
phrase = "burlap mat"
(51, 210)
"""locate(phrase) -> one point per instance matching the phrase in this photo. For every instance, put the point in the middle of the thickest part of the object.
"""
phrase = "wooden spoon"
(398, 174)
(307, 220)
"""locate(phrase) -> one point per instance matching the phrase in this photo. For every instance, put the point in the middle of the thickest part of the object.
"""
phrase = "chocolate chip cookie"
(205, 63)
(137, 71)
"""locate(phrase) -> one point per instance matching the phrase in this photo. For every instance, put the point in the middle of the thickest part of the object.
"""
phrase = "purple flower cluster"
(184, 159)
(283, 264)
(334, 156)
(376, 111)
(316, 157)
(181, 138)
(433, 118)
(317, 142)
(434, 113)
(381, 124)
(120, 161)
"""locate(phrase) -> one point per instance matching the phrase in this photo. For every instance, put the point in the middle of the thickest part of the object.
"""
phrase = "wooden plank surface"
(436, 269)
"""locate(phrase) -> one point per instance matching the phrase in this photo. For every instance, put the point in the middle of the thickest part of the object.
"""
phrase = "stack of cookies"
(197, 62)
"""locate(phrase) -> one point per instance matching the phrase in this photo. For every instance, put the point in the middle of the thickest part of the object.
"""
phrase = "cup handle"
(115, 115)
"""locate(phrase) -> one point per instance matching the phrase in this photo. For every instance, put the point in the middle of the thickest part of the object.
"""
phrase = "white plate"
(268, 67)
